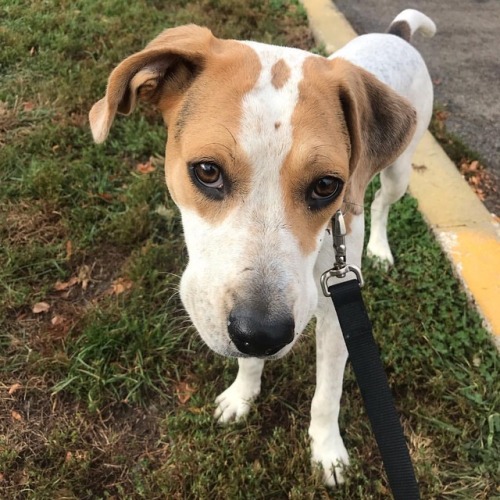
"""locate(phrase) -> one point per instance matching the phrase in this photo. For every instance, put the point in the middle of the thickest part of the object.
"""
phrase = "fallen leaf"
(64, 285)
(40, 307)
(145, 168)
(57, 320)
(119, 286)
(14, 387)
(28, 106)
(184, 392)
(16, 415)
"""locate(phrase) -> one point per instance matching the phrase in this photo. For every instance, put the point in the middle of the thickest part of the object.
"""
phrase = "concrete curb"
(464, 228)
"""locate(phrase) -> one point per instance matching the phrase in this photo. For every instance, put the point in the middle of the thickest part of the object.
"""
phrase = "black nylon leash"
(369, 371)
(374, 387)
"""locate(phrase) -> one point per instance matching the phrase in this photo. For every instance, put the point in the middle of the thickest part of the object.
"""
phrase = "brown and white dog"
(265, 144)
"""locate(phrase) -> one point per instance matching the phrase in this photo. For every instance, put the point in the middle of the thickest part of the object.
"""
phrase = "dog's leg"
(234, 402)
(394, 182)
(326, 443)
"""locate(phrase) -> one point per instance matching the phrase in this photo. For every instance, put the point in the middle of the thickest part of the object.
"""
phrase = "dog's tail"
(408, 22)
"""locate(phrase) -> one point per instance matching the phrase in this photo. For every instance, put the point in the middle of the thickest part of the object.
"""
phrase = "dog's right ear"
(170, 61)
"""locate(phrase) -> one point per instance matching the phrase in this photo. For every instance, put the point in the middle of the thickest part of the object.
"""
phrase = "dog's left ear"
(380, 124)
(169, 63)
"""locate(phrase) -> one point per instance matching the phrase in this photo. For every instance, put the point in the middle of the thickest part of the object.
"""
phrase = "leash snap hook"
(340, 268)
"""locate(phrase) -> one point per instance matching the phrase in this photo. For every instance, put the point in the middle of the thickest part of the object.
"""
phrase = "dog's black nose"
(258, 334)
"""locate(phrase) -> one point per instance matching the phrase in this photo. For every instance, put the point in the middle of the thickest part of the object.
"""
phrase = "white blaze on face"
(266, 129)
(253, 254)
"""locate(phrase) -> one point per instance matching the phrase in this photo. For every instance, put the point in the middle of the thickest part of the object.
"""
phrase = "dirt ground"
(464, 62)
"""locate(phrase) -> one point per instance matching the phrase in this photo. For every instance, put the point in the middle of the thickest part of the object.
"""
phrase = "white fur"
(417, 21)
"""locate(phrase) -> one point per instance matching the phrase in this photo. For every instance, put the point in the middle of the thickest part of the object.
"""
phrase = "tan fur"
(346, 124)
(280, 73)
(210, 129)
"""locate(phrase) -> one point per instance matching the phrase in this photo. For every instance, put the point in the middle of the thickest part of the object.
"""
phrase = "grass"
(109, 393)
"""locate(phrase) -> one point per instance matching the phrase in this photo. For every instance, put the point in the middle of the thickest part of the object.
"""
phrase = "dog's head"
(264, 143)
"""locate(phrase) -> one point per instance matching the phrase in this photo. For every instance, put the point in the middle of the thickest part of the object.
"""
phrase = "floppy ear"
(171, 60)
(380, 124)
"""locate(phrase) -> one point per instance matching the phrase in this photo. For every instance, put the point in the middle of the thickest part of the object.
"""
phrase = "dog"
(265, 144)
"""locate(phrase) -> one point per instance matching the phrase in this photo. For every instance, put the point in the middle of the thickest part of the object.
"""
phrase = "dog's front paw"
(233, 404)
(380, 254)
(333, 461)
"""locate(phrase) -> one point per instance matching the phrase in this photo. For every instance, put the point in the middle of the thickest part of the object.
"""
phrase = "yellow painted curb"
(464, 228)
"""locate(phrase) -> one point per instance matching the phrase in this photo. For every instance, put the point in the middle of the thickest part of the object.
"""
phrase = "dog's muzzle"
(257, 334)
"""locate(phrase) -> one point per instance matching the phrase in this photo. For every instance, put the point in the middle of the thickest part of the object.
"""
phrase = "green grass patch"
(109, 392)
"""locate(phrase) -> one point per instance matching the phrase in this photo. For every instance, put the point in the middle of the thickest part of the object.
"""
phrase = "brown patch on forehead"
(320, 147)
(204, 125)
(280, 73)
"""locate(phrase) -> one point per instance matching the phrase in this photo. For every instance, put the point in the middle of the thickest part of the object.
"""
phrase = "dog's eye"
(323, 191)
(209, 174)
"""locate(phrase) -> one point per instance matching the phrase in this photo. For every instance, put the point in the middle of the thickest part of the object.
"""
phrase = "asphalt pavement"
(464, 62)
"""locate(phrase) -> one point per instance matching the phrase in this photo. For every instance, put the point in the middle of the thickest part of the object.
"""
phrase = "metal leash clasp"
(340, 268)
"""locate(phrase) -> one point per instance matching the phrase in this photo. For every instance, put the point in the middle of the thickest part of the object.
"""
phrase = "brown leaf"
(145, 168)
(61, 286)
(28, 106)
(474, 165)
(40, 307)
(14, 387)
(16, 416)
(57, 320)
(119, 286)
(184, 392)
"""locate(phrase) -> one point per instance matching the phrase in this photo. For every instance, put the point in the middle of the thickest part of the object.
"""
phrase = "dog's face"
(264, 142)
